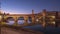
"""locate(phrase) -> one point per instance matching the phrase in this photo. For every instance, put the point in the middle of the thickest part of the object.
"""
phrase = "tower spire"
(32, 11)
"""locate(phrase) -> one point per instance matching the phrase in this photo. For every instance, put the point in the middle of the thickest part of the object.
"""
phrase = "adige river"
(46, 30)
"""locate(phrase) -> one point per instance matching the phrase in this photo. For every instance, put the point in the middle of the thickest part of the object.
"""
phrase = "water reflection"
(46, 30)
(10, 23)
(20, 21)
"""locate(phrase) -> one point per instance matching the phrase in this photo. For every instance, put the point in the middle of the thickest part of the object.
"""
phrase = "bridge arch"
(10, 20)
(20, 20)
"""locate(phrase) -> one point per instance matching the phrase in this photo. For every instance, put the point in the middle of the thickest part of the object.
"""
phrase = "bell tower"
(33, 18)
(32, 11)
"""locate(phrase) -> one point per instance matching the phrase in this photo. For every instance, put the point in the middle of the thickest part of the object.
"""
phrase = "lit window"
(53, 16)
(53, 22)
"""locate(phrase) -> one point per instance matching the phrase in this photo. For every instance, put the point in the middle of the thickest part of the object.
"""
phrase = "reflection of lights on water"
(10, 23)
(20, 21)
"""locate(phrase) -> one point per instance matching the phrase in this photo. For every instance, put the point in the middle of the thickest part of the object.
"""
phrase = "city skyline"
(26, 6)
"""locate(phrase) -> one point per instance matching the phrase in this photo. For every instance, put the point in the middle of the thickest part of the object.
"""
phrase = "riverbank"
(18, 30)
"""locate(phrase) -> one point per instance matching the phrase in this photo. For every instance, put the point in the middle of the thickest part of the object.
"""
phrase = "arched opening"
(21, 20)
(29, 19)
(10, 21)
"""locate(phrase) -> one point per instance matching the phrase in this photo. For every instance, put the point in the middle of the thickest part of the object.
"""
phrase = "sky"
(26, 6)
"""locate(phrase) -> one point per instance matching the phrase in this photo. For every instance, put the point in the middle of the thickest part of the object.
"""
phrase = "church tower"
(33, 18)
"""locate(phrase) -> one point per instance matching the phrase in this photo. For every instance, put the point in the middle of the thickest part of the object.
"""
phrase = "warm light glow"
(0, 18)
(53, 16)
(53, 22)
(37, 20)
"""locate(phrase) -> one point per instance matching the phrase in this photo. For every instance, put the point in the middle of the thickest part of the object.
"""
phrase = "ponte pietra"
(45, 17)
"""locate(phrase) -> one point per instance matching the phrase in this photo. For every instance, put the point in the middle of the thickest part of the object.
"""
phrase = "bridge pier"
(25, 21)
(15, 20)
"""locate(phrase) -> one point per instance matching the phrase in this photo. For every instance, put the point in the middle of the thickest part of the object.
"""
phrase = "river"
(46, 30)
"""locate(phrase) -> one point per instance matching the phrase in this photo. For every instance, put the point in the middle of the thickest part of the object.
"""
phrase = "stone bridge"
(15, 17)
(41, 17)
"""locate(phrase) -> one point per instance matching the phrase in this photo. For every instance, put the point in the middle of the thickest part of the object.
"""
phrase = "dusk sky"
(26, 6)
